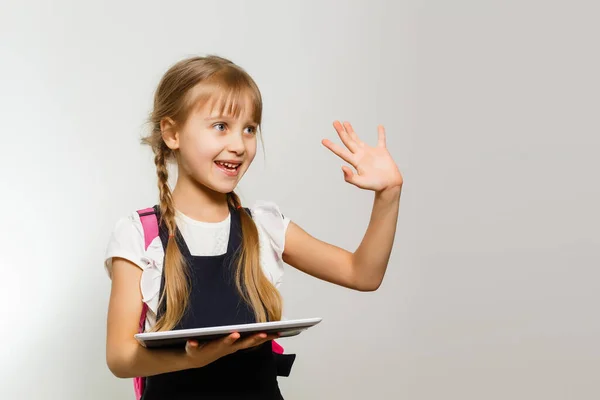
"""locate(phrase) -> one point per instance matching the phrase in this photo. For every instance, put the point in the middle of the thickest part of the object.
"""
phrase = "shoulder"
(272, 221)
(129, 223)
(126, 241)
(128, 229)
(268, 214)
(272, 225)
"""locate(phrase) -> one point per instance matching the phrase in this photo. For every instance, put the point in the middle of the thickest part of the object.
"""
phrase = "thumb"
(349, 176)
(353, 179)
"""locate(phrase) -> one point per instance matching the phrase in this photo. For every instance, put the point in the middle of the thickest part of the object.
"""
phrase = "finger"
(252, 341)
(191, 345)
(339, 151)
(351, 132)
(351, 177)
(348, 174)
(345, 136)
(231, 339)
(381, 136)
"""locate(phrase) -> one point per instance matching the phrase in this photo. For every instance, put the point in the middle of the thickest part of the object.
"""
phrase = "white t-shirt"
(202, 239)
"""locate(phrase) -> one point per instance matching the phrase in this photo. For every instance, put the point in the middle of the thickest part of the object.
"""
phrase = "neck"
(198, 201)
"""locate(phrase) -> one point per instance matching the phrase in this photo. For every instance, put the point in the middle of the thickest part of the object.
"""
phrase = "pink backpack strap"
(277, 349)
(149, 224)
(150, 227)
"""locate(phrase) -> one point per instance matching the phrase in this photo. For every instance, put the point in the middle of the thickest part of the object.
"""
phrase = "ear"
(169, 133)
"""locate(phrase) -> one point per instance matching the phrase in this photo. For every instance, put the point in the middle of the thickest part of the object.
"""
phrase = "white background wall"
(491, 110)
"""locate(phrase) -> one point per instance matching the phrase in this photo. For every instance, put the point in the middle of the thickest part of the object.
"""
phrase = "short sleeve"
(273, 222)
(272, 226)
(126, 241)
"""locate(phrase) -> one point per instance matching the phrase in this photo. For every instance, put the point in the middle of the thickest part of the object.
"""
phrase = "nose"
(236, 143)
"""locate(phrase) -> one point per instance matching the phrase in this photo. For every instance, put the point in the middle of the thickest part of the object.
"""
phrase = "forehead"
(213, 102)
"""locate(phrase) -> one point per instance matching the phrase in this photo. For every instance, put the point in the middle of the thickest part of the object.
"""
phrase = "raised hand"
(375, 168)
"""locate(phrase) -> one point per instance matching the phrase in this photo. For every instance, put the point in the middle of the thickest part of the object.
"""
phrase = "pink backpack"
(150, 226)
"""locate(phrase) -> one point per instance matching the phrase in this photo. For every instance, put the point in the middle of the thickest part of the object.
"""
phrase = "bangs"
(229, 99)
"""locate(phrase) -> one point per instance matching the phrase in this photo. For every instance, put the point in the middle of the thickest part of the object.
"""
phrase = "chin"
(226, 190)
(220, 186)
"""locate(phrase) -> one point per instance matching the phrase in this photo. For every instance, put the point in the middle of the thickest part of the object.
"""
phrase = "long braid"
(251, 282)
(176, 290)
(167, 210)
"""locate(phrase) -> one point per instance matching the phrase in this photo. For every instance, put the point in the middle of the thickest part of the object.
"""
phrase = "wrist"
(389, 193)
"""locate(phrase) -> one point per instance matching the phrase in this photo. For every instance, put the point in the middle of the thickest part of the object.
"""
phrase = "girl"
(215, 262)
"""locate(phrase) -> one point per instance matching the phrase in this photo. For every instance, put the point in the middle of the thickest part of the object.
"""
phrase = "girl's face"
(216, 150)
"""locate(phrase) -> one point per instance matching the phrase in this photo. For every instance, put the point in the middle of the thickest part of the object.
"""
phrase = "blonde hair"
(191, 83)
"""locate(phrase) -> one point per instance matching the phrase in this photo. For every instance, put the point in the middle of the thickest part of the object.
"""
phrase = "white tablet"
(178, 338)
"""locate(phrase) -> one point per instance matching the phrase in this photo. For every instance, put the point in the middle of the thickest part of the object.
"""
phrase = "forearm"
(370, 259)
(135, 360)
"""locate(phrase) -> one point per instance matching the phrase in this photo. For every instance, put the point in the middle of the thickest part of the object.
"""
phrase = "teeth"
(228, 165)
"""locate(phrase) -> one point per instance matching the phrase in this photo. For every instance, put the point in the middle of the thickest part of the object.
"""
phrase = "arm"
(365, 268)
(126, 358)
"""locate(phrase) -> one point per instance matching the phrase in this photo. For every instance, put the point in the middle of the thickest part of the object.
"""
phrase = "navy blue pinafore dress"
(214, 300)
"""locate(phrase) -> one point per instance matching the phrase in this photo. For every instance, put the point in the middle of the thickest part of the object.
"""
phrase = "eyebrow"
(224, 117)
(216, 117)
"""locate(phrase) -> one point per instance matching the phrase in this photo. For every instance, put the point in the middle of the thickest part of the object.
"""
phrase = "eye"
(251, 129)
(219, 124)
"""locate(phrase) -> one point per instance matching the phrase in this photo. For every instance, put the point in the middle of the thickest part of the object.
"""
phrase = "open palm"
(375, 168)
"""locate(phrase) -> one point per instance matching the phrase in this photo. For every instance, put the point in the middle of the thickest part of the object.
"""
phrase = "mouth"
(230, 168)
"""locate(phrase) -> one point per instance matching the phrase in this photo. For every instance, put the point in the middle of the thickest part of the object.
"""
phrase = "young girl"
(215, 262)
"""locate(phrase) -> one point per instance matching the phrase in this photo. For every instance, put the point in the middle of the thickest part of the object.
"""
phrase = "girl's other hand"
(374, 166)
(206, 353)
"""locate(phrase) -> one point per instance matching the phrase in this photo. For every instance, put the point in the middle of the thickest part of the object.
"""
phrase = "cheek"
(199, 154)
(251, 149)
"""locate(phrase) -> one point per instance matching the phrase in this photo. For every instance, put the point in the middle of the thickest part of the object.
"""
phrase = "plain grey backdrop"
(491, 110)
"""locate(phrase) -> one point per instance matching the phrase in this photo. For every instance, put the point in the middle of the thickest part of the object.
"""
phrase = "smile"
(229, 168)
